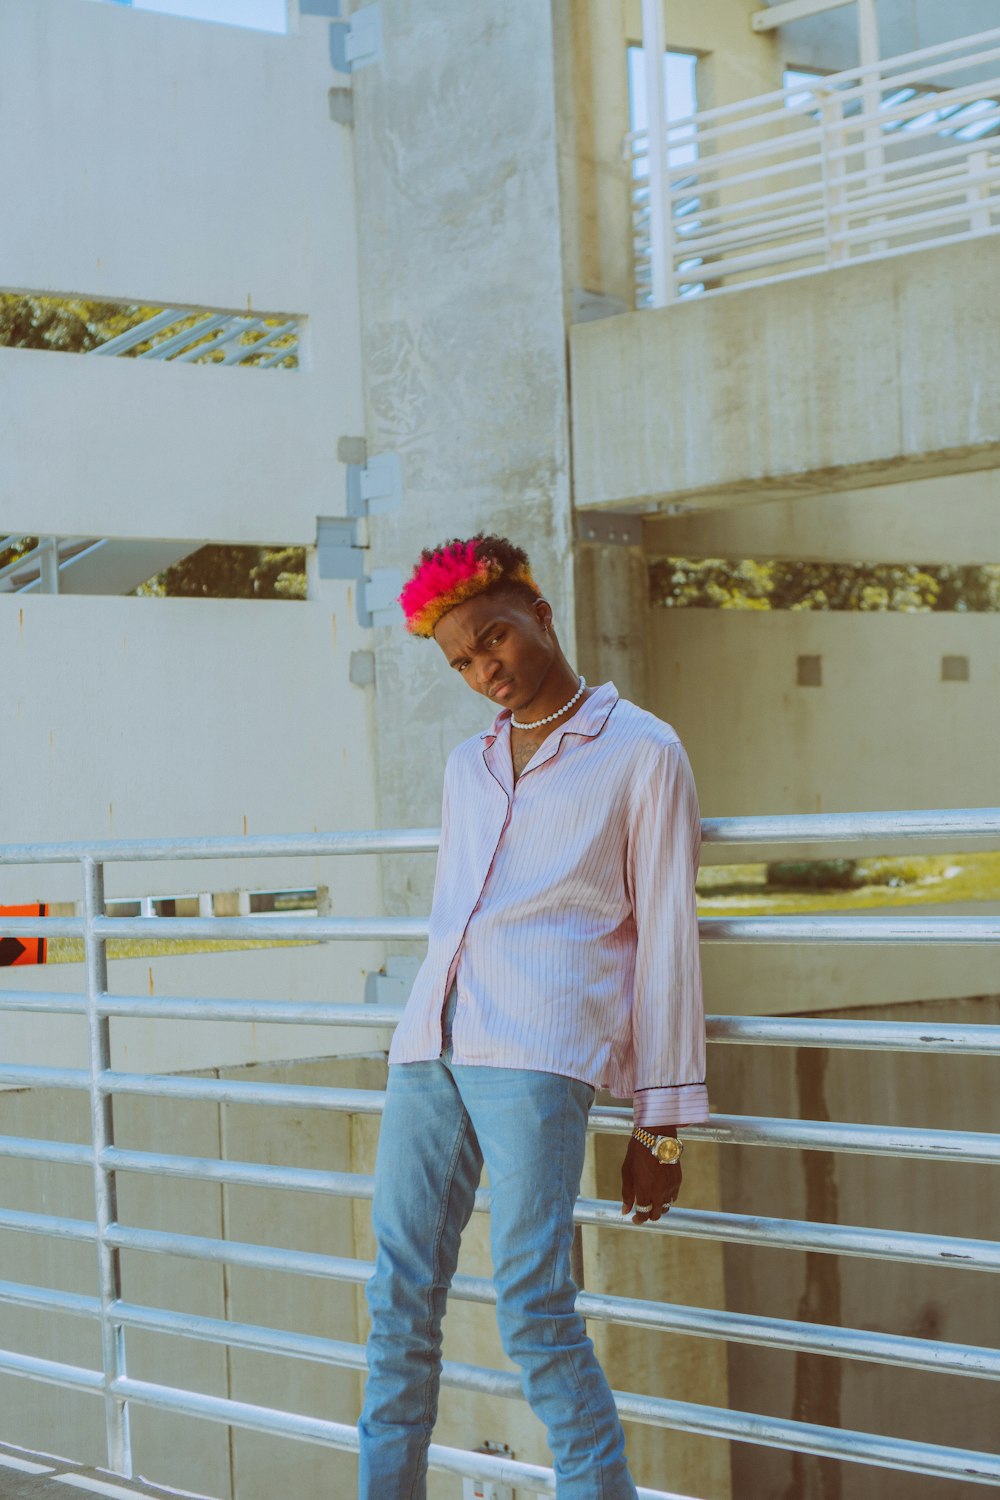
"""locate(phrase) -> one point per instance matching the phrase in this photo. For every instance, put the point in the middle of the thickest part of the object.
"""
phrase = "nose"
(489, 672)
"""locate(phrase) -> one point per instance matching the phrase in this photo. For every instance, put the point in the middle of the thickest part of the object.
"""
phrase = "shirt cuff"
(680, 1104)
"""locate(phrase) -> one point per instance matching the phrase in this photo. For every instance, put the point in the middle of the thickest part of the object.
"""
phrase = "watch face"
(668, 1150)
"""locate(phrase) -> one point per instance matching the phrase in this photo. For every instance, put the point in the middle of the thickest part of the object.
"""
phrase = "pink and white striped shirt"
(564, 909)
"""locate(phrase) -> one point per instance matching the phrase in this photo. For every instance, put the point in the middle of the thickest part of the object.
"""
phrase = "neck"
(551, 700)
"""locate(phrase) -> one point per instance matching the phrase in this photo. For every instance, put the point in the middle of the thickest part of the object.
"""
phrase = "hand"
(646, 1180)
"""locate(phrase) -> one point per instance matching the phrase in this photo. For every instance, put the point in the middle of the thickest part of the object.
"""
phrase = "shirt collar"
(589, 718)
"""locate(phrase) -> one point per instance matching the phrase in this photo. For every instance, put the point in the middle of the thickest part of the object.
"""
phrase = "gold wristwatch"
(666, 1148)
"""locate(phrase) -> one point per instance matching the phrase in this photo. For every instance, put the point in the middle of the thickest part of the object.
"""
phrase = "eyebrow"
(479, 634)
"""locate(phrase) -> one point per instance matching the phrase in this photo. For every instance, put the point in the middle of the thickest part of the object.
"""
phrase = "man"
(562, 957)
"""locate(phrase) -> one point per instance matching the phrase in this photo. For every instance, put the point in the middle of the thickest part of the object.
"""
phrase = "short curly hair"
(458, 570)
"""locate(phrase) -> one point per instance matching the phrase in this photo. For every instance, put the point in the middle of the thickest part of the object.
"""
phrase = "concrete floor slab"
(41, 1476)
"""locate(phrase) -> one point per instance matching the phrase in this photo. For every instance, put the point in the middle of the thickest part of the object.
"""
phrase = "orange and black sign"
(15, 950)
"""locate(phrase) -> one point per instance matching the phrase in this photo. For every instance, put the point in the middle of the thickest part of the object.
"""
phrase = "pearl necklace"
(537, 723)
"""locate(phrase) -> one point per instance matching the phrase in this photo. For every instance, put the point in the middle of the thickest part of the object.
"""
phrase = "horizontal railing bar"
(809, 828)
(810, 927)
(51, 1372)
(854, 928)
(885, 1036)
(47, 1299)
(861, 1447)
(789, 1234)
(786, 1031)
(819, 1135)
(253, 846)
(744, 229)
(27, 1076)
(888, 227)
(836, 82)
(845, 1343)
(239, 1091)
(781, 828)
(44, 927)
(242, 1253)
(339, 1435)
(43, 1001)
(238, 1173)
(53, 1225)
(281, 1012)
(933, 164)
(260, 929)
(50, 1151)
(941, 241)
(822, 1135)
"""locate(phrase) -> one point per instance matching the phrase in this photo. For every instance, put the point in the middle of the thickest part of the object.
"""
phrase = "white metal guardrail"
(897, 155)
(105, 1160)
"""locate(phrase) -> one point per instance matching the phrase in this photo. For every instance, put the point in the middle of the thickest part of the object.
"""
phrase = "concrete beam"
(865, 375)
(948, 520)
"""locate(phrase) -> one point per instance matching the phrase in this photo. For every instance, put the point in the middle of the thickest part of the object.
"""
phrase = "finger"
(628, 1191)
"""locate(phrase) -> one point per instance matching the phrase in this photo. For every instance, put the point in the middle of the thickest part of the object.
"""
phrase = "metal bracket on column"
(376, 487)
(356, 40)
(609, 528)
(378, 598)
(393, 984)
(338, 554)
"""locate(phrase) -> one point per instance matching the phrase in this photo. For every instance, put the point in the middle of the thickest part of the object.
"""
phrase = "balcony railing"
(104, 1159)
(898, 155)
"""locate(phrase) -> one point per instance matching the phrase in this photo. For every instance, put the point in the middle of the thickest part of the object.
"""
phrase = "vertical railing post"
(105, 1188)
(871, 97)
(833, 167)
(979, 194)
(661, 213)
(48, 564)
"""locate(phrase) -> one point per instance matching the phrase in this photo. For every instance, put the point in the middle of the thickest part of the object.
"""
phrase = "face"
(500, 646)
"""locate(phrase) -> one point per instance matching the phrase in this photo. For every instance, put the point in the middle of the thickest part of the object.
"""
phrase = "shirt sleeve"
(668, 1014)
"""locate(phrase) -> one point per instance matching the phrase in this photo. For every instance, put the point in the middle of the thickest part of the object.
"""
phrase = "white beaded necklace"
(536, 723)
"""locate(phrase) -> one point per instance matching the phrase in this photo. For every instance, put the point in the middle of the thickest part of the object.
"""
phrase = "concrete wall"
(184, 165)
(754, 397)
(883, 731)
(129, 718)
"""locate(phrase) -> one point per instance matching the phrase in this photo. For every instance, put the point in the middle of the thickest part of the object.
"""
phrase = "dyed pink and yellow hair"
(457, 571)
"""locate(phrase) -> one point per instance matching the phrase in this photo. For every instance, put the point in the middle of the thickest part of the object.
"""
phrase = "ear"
(543, 613)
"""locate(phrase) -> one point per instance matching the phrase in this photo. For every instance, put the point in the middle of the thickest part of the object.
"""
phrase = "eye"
(461, 666)
(493, 639)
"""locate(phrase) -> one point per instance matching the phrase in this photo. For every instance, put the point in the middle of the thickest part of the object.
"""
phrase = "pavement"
(41, 1476)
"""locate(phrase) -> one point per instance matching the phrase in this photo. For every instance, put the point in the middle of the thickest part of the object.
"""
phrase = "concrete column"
(463, 346)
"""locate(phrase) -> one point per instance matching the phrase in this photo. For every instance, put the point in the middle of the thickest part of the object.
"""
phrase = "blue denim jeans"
(441, 1123)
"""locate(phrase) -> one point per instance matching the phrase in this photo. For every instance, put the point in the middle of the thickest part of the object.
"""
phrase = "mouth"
(503, 689)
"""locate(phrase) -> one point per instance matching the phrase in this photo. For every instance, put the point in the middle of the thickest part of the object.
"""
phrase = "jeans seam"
(443, 1216)
(571, 1354)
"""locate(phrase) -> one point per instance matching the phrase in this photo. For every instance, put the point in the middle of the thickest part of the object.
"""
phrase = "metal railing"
(105, 1159)
(851, 169)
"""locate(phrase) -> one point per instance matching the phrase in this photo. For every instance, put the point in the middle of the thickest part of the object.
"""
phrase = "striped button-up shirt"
(564, 910)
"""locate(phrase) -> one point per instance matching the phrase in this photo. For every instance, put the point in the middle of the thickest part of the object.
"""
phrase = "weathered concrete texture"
(919, 1301)
(864, 375)
(464, 353)
(951, 519)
